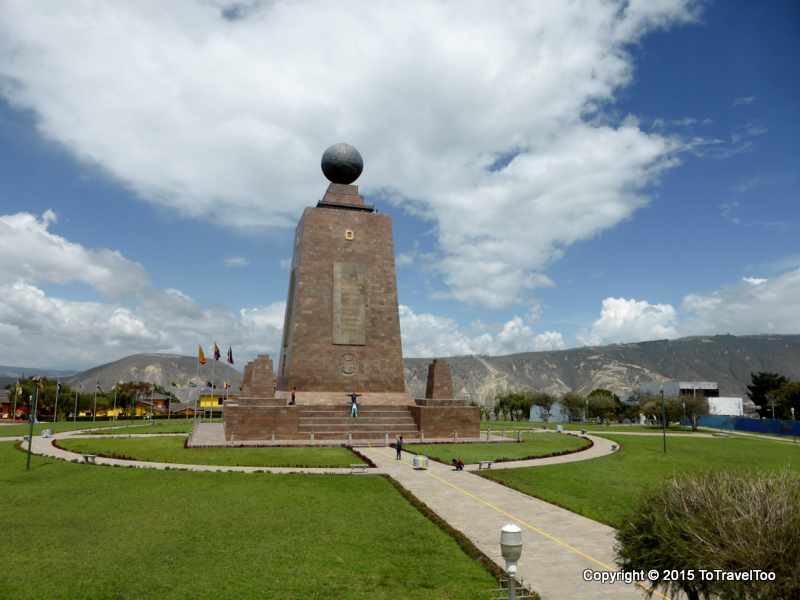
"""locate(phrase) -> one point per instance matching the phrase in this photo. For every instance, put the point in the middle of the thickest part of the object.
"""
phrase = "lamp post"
(75, 412)
(55, 410)
(663, 420)
(511, 549)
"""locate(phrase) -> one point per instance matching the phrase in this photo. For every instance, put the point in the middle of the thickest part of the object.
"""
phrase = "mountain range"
(726, 359)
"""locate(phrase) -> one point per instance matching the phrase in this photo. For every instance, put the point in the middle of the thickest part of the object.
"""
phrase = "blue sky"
(675, 135)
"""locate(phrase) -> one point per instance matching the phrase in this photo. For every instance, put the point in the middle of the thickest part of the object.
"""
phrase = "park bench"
(359, 468)
(89, 459)
(485, 464)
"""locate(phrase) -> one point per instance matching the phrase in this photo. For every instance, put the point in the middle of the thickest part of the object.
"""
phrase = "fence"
(770, 426)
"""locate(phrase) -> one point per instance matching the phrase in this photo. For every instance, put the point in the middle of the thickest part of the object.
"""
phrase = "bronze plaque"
(349, 304)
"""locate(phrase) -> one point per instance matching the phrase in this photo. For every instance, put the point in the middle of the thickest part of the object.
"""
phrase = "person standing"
(292, 401)
(399, 446)
(354, 404)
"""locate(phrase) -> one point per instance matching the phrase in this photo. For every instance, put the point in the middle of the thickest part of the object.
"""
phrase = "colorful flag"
(201, 357)
(230, 356)
(216, 351)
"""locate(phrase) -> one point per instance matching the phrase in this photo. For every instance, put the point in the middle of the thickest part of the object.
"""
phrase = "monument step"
(361, 417)
(346, 412)
(357, 427)
(368, 435)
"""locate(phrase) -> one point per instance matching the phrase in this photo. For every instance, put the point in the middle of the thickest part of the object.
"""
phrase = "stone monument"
(440, 382)
(341, 335)
(342, 327)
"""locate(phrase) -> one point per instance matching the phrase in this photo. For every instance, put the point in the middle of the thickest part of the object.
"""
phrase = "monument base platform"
(272, 419)
(343, 398)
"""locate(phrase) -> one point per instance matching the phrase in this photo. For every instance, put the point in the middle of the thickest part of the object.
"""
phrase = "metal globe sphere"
(341, 163)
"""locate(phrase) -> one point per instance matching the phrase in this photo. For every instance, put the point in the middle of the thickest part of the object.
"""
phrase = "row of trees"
(127, 394)
(774, 395)
(600, 405)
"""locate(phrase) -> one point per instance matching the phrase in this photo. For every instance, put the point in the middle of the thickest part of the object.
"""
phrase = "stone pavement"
(558, 544)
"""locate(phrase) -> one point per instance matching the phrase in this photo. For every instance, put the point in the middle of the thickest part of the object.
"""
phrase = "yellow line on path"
(541, 532)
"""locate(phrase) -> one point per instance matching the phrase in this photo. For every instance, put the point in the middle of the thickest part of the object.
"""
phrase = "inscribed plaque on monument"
(349, 304)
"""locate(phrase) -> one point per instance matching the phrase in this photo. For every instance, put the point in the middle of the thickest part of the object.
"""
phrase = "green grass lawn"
(170, 426)
(606, 488)
(174, 425)
(534, 445)
(500, 425)
(171, 450)
(74, 531)
(22, 428)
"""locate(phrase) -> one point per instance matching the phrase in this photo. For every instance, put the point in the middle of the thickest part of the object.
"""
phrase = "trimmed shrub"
(736, 522)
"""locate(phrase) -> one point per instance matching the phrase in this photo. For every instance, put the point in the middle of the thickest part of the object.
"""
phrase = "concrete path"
(45, 447)
(600, 447)
(558, 544)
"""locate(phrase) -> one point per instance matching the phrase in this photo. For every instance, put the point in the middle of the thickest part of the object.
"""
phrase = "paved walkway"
(45, 447)
(558, 544)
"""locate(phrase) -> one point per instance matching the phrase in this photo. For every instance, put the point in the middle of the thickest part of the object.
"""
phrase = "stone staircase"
(372, 423)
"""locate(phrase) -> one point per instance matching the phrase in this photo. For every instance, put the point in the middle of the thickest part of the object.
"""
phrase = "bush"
(726, 521)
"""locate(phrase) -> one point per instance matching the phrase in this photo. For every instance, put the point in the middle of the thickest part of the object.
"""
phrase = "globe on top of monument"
(341, 163)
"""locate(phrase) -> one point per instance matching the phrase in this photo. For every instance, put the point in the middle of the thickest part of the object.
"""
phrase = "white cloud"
(630, 320)
(225, 118)
(30, 251)
(756, 305)
(744, 100)
(427, 335)
(754, 280)
(233, 262)
(40, 330)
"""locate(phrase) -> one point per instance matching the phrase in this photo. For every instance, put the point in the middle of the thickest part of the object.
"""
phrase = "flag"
(216, 351)
(230, 356)
(18, 390)
(201, 357)
(99, 389)
(226, 385)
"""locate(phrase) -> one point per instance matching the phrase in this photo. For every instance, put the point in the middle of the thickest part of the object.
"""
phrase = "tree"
(574, 404)
(763, 384)
(544, 402)
(787, 397)
(695, 407)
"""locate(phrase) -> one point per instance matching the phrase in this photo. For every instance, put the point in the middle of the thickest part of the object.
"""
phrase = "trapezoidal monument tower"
(342, 327)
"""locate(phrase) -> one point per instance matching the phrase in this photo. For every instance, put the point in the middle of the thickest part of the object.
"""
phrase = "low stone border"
(507, 460)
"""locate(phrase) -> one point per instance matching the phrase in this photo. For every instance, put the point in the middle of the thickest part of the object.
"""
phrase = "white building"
(726, 405)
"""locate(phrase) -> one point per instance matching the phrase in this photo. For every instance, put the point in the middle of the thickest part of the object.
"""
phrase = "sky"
(558, 174)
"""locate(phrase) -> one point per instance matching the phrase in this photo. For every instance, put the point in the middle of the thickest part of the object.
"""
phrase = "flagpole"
(55, 410)
(94, 407)
(115, 403)
(213, 375)
(75, 414)
(32, 418)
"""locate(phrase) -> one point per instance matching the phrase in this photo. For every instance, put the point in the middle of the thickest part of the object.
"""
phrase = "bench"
(485, 464)
(89, 459)
(359, 468)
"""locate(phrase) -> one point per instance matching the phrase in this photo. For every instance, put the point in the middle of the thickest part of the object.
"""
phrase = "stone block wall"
(443, 421)
(254, 420)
